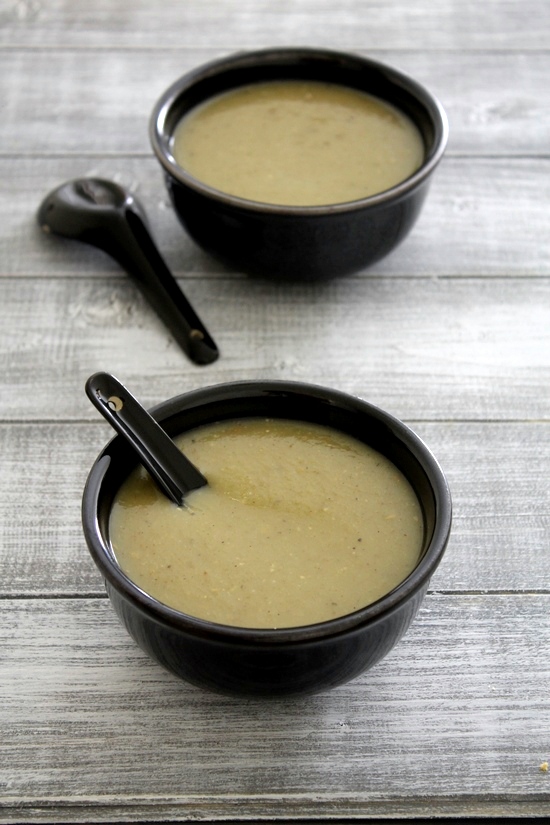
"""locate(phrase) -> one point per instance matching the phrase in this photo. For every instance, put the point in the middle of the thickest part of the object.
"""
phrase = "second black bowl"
(293, 242)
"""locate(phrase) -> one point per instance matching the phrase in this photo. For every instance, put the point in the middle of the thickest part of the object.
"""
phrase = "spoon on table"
(103, 214)
(175, 475)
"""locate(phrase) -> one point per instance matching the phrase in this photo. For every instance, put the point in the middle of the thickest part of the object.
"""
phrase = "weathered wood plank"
(462, 26)
(483, 216)
(498, 475)
(451, 333)
(424, 349)
(79, 101)
(454, 720)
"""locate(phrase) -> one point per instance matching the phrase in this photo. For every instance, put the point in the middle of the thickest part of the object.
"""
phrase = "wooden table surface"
(451, 333)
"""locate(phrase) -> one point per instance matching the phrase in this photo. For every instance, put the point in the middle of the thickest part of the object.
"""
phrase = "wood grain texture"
(451, 333)
(80, 101)
(455, 718)
(469, 25)
(482, 217)
(424, 349)
(500, 495)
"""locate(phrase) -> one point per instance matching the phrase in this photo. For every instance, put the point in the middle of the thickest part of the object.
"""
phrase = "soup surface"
(298, 524)
(298, 143)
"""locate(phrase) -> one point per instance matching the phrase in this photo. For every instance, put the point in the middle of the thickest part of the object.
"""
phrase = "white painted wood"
(454, 720)
(450, 332)
(482, 217)
(74, 101)
(365, 24)
(429, 348)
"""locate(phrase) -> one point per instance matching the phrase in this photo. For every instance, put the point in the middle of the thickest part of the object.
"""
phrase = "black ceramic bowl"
(291, 242)
(292, 660)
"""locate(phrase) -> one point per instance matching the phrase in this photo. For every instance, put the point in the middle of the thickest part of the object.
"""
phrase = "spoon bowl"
(103, 214)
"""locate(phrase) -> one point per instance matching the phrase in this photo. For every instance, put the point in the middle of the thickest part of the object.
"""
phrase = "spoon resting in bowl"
(174, 474)
(103, 214)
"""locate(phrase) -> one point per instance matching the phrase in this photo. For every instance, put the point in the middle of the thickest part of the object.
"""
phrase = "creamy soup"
(298, 524)
(299, 143)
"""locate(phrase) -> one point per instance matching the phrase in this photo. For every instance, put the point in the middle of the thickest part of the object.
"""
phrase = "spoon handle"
(104, 214)
(168, 466)
(137, 253)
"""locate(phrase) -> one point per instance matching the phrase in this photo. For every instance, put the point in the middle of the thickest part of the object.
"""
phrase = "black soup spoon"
(103, 214)
(174, 474)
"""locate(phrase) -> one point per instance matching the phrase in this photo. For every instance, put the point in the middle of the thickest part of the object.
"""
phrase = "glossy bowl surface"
(291, 660)
(302, 243)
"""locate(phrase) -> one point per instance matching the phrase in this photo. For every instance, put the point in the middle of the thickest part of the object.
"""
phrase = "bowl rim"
(104, 558)
(160, 138)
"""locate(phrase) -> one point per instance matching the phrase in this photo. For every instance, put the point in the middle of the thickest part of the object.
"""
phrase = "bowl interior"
(352, 416)
(303, 64)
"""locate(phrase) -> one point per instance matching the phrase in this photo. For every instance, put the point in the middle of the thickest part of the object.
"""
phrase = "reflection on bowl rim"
(161, 139)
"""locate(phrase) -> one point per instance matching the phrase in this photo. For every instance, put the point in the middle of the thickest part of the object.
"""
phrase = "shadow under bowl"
(295, 242)
(287, 661)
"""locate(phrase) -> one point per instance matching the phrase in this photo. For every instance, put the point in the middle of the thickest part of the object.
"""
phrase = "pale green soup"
(298, 143)
(298, 524)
